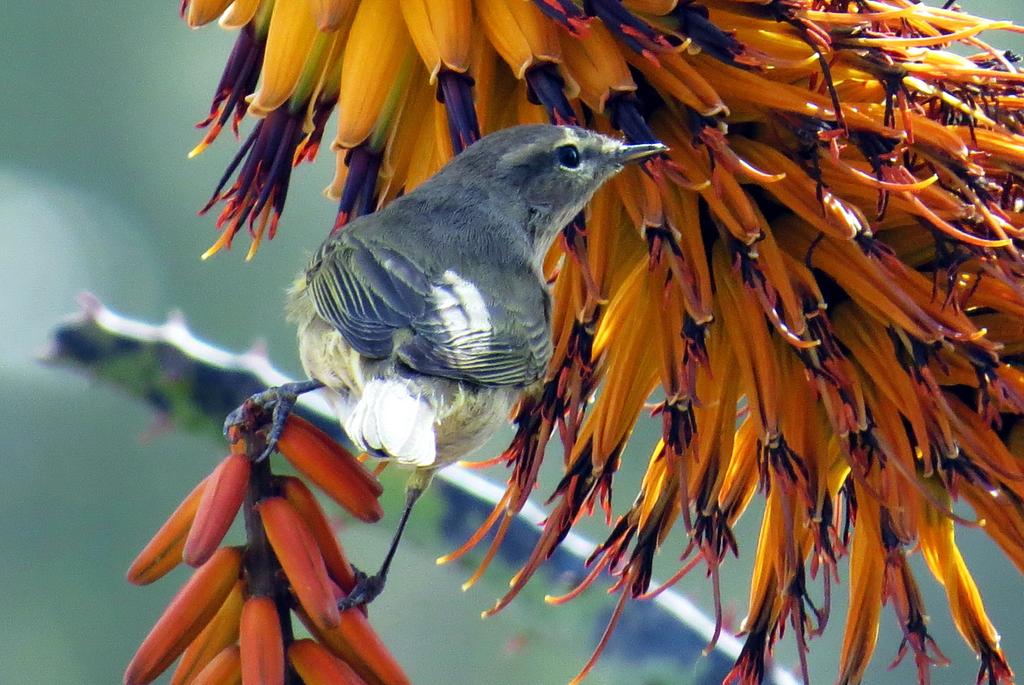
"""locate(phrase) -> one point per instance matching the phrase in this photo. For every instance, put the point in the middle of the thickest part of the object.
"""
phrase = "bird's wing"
(370, 293)
(367, 293)
(473, 336)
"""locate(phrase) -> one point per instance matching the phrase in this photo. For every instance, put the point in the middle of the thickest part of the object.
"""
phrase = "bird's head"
(549, 171)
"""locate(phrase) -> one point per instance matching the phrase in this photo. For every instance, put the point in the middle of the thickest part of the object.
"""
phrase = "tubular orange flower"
(600, 69)
(239, 13)
(221, 499)
(354, 642)
(305, 504)
(164, 551)
(519, 34)
(868, 558)
(224, 669)
(300, 558)
(261, 643)
(331, 468)
(218, 635)
(946, 563)
(316, 666)
(188, 613)
(832, 250)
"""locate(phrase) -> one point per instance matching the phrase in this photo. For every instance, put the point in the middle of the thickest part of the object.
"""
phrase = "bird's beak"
(641, 151)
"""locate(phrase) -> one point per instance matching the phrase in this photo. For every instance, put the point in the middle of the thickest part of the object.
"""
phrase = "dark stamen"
(695, 25)
(631, 29)
(237, 80)
(566, 13)
(358, 197)
(456, 92)
(545, 87)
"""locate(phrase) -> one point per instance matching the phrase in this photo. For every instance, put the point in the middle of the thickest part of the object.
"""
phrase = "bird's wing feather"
(369, 293)
(470, 335)
(477, 361)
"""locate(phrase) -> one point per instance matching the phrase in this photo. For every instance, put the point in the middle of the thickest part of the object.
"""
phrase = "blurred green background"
(96, 194)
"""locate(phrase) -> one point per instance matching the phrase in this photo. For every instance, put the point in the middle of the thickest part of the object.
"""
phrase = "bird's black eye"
(568, 156)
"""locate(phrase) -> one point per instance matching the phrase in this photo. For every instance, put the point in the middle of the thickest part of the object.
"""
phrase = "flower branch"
(234, 617)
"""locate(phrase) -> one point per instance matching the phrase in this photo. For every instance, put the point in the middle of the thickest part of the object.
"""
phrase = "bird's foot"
(366, 589)
(251, 415)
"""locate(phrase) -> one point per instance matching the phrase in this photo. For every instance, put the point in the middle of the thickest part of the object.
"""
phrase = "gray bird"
(428, 318)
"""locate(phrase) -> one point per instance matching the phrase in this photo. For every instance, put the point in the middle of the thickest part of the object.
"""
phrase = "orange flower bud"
(221, 632)
(164, 550)
(188, 613)
(304, 502)
(300, 558)
(262, 648)
(217, 508)
(356, 643)
(332, 468)
(317, 666)
(223, 669)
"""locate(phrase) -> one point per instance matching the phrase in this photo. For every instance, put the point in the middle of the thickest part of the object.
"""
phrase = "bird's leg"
(280, 401)
(369, 587)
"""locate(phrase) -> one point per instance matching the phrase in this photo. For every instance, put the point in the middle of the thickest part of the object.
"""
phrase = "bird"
(426, 320)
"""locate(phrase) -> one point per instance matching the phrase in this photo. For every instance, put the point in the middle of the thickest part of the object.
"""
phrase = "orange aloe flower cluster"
(821, 285)
(231, 621)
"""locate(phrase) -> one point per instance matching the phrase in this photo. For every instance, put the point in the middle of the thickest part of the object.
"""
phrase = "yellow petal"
(938, 545)
(240, 13)
(441, 31)
(289, 40)
(405, 142)
(597, 65)
(376, 49)
(202, 12)
(755, 351)
(329, 15)
(867, 578)
(520, 33)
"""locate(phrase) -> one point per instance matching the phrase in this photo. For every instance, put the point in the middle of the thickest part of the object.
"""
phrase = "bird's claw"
(252, 414)
(282, 407)
(366, 589)
(241, 417)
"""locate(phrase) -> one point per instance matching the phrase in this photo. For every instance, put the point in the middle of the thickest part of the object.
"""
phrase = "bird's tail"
(391, 420)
